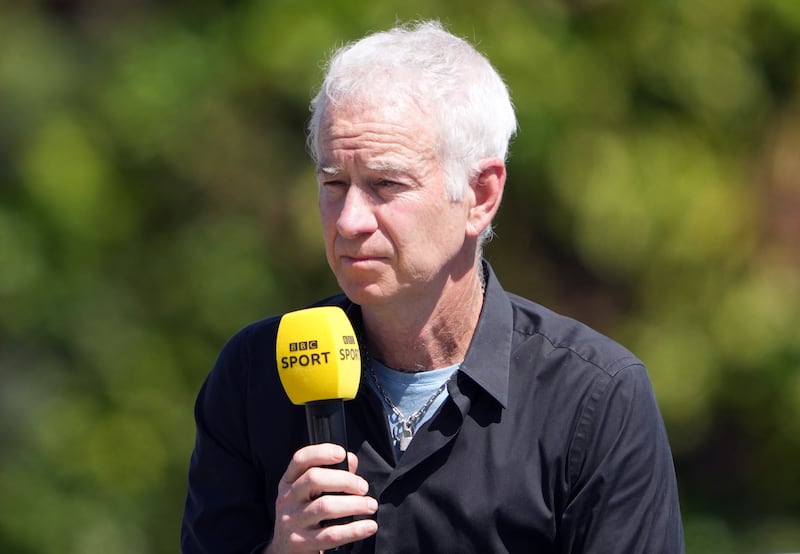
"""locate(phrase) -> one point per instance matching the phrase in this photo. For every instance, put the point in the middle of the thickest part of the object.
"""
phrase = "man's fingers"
(352, 462)
(310, 535)
(320, 539)
(314, 455)
(319, 480)
(336, 535)
(310, 493)
(334, 506)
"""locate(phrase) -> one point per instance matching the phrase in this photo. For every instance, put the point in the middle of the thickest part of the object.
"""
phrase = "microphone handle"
(325, 420)
(326, 423)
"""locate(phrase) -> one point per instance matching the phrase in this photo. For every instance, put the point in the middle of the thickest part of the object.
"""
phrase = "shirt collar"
(487, 359)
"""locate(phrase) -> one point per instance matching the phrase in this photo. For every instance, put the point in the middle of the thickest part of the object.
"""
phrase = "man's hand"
(302, 503)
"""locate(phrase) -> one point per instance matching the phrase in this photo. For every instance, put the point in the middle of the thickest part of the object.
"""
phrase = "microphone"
(319, 365)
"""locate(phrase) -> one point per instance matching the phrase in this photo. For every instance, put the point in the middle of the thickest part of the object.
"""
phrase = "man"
(484, 423)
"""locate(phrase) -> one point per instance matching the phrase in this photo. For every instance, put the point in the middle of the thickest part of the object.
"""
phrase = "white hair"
(424, 65)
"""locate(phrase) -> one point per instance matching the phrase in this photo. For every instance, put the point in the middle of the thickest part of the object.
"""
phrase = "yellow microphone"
(319, 365)
(318, 356)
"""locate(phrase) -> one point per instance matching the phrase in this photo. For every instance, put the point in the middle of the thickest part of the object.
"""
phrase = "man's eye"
(334, 183)
(386, 183)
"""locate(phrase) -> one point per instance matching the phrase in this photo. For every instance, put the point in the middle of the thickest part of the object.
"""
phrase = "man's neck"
(417, 337)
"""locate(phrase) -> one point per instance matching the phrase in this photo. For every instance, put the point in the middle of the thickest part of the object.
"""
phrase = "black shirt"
(550, 441)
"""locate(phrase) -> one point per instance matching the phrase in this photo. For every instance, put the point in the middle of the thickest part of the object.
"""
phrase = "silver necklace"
(403, 431)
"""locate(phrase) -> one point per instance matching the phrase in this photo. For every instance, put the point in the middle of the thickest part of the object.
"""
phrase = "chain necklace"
(403, 431)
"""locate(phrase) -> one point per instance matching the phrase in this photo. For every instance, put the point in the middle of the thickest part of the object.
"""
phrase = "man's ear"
(487, 191)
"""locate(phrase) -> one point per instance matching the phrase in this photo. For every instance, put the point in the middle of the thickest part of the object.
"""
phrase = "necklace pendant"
(406, 434)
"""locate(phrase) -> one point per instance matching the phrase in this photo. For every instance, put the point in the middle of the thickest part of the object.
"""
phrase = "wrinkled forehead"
(382, 137)
(389, 106)
(336, 116)
(388, 112)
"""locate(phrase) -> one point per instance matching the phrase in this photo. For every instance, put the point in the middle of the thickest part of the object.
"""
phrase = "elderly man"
(484, 423)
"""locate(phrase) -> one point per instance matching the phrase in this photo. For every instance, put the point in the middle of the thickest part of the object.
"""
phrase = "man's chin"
(364, 294)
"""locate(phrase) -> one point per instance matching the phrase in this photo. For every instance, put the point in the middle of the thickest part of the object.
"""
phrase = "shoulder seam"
(611, 369)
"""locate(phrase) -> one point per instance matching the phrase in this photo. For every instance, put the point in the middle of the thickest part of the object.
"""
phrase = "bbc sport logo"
(303, 345)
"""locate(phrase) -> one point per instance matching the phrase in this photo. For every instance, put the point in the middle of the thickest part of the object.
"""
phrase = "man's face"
(390, 232)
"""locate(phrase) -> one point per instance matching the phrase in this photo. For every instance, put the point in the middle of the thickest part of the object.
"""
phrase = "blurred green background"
(155, 196)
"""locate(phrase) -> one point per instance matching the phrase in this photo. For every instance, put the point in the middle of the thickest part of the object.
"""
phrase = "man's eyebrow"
(387, 167)
(382, 166)
(328, 170)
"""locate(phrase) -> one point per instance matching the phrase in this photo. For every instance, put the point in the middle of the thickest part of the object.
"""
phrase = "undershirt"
(409, 392)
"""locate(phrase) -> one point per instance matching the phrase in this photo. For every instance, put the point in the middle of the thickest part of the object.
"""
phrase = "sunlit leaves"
(20, 255)
(67, 176)
(154, 84)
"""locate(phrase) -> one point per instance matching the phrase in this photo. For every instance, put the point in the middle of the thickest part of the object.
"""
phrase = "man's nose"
(357, 216)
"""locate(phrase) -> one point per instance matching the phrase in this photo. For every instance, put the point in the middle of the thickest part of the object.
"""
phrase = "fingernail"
(339, 452)
(372, 505)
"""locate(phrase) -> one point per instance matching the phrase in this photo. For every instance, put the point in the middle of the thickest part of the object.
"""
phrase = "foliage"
(155, 196)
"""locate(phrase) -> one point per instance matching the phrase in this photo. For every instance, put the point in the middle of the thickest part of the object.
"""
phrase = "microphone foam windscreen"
(318, 356)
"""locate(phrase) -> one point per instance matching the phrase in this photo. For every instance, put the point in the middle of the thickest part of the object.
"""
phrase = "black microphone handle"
(325, 420)
(326, 423)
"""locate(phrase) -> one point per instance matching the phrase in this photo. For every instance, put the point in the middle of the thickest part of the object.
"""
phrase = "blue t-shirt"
(409, 392)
